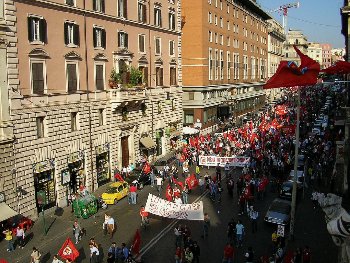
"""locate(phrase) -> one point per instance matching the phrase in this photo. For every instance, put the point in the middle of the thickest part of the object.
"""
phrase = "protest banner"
(239, 161)
(158, 206)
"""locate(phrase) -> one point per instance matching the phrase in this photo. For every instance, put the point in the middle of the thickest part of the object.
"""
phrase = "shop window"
(40, 127)
(74, 121)
(101, 117)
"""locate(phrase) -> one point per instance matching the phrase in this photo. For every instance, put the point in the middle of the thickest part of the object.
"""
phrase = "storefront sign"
(65, 176)
(44, 166)
(74, 157)
(158, 206)
(102, 148)
(239, 161)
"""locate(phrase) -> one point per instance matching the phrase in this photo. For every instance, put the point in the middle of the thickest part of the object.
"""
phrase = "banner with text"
(158, 206)
(239, 161)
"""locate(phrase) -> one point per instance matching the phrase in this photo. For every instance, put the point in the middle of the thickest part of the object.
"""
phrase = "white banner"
(239, 161)
(158, 206)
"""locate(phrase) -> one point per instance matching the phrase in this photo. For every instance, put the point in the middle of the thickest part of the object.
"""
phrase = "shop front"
(76, 170)
(103, 164)
(44, 182)
(147, 146)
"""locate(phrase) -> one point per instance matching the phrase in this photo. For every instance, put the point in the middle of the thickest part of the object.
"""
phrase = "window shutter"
(38, 78)
(76, 35)
(155, 16)
(103, 36)
(72, 78)
(160, 18)
(42, 25)
(94, 4)
(145, 75)
(30, 29)
(144, 14)
(102, 6)
(161, 76)
(94, 34)
(119, 42)
(125, 7)
(126, 40)
(170, 20)
(66, 33)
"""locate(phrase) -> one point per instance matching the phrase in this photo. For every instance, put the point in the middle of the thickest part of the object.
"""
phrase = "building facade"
(93, 86)
(276, 39)
(224, 55)
(326, 55)
(314, 51)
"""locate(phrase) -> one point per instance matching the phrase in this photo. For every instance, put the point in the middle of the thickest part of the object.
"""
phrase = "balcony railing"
(122, 97)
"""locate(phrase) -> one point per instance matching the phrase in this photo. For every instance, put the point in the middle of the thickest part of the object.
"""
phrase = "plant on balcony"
(135, 77)
(114, 78)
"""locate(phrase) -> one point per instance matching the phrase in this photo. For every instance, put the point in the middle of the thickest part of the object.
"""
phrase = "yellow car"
(115, 192)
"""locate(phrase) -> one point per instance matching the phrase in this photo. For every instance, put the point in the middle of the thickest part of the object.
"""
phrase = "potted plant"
(114, 78)
(135, 76)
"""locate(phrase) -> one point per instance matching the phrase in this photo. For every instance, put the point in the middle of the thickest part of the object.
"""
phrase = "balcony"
(126, 96)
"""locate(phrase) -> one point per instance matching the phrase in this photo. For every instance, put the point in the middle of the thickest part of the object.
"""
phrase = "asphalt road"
(158, 241)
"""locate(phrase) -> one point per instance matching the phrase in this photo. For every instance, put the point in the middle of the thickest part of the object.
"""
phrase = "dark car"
(287, 190)
(139, 178)
(279, 212)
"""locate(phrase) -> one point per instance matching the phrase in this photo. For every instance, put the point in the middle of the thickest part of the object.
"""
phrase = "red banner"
(68, 250)
(135, 249)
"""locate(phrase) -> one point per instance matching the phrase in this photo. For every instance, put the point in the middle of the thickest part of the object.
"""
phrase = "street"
(158, 240)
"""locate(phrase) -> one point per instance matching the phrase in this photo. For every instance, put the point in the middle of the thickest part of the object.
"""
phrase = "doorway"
(125, 151)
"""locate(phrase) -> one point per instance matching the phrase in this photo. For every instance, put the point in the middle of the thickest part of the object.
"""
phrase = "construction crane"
(284, 9)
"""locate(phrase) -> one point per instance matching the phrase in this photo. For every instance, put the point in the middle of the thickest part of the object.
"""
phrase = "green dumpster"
(85, 207)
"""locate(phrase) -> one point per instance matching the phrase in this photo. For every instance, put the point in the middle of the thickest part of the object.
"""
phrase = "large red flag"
(340, 67)
(191, 181)
(68, 250)
(288, 74)
(135, 249)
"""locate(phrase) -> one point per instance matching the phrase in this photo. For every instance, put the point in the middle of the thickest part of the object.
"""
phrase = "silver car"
(279, 212)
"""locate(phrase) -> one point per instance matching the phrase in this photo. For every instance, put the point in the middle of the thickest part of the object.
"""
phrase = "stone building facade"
(71, 123)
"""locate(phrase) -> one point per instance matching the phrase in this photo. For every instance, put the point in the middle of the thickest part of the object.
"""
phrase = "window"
(71, 34)
(38, 77)
(144, 71)
(228, 41)
(228, 8)
(122, 8)
(40, 127)
(123, 40)
(228, 65)
(157, 16)
(221, 64)
(173, 81)
(171, 21)
(74, 121)
(171, 48)
(216, 64)
(142, 12)
(228, 25)
(99, 37)
(211, 64)
(72, 78)
(142, 43)
(70, 2)
(220, 4)
(221, 22)
(99, 5)
(216, 20)
(252, 62)
(189, 117)
(245, 67)
(210, 18)
(158, 46)
(191, 96)
(236, 66)
(221, 39)
(36, 29)
(216, 38)
(100, 76)
(101, 117)
(159, 76)
(210, 36)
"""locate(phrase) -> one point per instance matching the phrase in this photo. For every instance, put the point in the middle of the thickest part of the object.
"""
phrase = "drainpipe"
(89, 106)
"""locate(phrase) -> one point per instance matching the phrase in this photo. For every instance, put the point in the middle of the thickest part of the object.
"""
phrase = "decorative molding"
(123, 52)
(143, 60)
(100, 57)
(173, 61)
(72, 55)
(39, 53)
(159, 61)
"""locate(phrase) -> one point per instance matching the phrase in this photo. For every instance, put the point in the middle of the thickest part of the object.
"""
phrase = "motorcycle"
(101, 203)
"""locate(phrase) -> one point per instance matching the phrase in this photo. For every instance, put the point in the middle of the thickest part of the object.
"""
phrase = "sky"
(319, 20)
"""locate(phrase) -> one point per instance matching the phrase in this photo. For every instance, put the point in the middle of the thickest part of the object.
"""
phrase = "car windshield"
(111, 190)
(280, 207)
(287, 187)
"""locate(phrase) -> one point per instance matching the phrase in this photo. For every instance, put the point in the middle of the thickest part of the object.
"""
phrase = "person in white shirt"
(94, 253)
(56, 260)
(159, 184)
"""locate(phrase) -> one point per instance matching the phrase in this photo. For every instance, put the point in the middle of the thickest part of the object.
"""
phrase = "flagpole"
(294, 192)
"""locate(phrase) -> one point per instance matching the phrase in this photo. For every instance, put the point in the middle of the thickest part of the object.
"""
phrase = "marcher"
(228, 253)
(239, 233)
(76, 231)
(144, 217)
(9, 238)
(113, 252)
(94, 254)
(198, 171)
(254, 219)
(178, 255)
(249, 255)
(133, 194)
(201, 184)
(206, 225)
(35, 256)
(196, 252)
(56, 260)
(178, 236)
(306, 255)
(159, 184)
(185, 195)
(125, 252)
(111, 226)
(188, 255)
(20, 235)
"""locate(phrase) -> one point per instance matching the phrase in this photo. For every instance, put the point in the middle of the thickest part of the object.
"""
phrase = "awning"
(147, 142)
(6, 212)
(189, 130)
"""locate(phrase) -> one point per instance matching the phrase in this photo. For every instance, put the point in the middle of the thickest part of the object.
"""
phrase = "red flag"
(191, 181)
(340, 67)
(68, 250)
(180, 184)
(169, 193)
(3, 260)
(118, 177)
(288, 74)
(135, 249)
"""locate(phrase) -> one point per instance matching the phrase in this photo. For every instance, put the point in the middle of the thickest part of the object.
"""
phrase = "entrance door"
(125, 151)
(44, 182)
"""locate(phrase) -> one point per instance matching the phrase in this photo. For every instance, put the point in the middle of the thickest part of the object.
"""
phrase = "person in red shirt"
(228, 253)
(133, 195)
(176, 192)
(144, 216)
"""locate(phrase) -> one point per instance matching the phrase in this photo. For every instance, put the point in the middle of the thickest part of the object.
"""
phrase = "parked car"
(279, 212)
(115, 192)
(300, 178)
(287, 190)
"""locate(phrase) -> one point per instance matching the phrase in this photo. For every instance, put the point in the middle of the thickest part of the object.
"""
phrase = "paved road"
(158, 242)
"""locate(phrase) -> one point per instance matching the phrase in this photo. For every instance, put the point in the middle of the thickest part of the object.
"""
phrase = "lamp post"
(294, 192)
